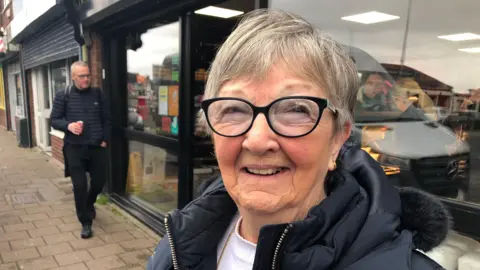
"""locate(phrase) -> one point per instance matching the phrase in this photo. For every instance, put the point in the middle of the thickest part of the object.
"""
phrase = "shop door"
(42, 104)
(12, 96)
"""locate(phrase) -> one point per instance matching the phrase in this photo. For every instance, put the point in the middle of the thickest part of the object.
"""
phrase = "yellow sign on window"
(2, 90)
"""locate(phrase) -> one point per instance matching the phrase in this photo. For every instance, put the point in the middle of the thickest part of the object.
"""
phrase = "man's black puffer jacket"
(364, 224)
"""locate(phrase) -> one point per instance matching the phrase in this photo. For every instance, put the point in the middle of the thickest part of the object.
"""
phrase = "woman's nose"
(260, 138)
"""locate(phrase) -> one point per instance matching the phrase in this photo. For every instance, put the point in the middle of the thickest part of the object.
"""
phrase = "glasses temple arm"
(332, 107)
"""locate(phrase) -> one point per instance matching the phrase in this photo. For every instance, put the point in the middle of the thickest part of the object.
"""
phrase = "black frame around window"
(114, 62)
(113, 30)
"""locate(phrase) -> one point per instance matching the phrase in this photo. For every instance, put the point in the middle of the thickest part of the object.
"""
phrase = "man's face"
(81, 77)
(374, 86)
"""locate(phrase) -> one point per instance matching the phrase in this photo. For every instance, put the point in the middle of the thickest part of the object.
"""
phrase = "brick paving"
(38, 226)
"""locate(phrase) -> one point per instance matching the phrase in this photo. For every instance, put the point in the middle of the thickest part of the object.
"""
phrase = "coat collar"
(361, 212)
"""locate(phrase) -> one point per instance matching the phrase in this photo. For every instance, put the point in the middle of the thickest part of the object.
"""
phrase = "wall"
(7, 14)
(57, 145)
(29, 11)
(3, 118)
(5, 17)
(95, 59)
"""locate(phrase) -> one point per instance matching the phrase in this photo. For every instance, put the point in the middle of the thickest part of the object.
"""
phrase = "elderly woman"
(292, 194)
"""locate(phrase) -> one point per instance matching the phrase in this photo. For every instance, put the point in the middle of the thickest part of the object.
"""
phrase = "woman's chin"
(260, 202)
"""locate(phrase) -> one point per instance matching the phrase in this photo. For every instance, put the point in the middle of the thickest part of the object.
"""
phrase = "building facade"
(8, 54)
(48, 48)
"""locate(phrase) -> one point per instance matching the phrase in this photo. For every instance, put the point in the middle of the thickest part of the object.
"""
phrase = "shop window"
(153, 176)
(19, 95)
(153, 80)
(417, 107)
(59, 74)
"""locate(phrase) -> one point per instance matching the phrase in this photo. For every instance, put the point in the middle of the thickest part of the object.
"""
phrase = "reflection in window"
(153, 81)
(19, 111)
(59, 75)
(417, 107)
(153, 176)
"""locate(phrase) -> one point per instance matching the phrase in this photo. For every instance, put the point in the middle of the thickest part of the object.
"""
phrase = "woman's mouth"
(265, 172)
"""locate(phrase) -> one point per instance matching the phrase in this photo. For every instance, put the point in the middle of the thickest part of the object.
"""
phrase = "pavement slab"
(38, 225)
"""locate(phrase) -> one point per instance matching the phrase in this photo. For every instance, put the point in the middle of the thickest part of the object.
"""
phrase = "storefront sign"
(163, 100)
(3, 48)
(135, 170)
(154, 161)
(166, 122)
(174, 126)
(173, 100)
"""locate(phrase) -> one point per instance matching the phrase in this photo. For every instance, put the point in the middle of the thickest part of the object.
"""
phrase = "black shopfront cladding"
(127, 30)
(141, 86)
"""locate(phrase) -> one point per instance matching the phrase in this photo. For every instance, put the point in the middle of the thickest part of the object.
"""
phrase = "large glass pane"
(153, 176)
(19, 112)
(44, 86)
(153, 79)
(418, 104)
(59, 75)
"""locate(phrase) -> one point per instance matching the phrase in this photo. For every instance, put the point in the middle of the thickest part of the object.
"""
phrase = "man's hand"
(76, 128)
(103, 144)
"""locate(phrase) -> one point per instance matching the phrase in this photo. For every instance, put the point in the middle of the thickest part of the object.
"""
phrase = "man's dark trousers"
(83, 158)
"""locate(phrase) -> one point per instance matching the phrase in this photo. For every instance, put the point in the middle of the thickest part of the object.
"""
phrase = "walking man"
(82, 112)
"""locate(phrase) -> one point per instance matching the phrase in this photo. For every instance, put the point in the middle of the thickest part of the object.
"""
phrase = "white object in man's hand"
(103, 144)
(76, 127)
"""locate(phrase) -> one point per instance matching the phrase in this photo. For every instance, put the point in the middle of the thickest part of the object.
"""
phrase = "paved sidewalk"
(38, 226)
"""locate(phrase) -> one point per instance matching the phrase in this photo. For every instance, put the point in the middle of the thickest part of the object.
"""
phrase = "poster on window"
(163, 100)
(173, 100)
(154, 161)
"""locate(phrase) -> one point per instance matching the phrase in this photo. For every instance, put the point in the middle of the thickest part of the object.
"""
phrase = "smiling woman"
(292, 194)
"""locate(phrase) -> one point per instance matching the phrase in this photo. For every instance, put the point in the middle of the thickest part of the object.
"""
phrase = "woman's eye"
(231, 110)
(298, 109)
(233, 114)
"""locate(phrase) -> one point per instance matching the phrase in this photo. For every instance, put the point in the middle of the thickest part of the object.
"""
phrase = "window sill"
(57, 133)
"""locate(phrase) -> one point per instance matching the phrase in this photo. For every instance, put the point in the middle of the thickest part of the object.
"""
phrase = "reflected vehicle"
(394, 128)
(438, 114)
(135, 120)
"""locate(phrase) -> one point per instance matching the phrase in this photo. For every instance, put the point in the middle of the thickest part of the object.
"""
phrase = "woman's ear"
(338, 140)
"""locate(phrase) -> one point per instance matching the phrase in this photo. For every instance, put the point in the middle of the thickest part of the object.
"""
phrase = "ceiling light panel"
(370, 17)
(470, 50)
(461, 37)
(219, 12)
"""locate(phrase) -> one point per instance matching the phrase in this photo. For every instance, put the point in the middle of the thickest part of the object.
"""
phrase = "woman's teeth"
(264, 172)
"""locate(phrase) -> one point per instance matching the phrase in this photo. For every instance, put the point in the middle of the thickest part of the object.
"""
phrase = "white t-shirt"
(239, 254)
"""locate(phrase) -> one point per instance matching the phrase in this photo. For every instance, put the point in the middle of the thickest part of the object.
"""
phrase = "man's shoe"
(86, 231)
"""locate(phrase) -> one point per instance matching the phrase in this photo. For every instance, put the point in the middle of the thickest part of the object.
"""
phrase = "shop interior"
(153, 87)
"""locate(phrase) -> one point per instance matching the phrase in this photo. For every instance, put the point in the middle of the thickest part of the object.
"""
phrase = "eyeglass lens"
(287, 117)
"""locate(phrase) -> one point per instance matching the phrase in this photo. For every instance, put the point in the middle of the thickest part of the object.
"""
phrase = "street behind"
(39, 227)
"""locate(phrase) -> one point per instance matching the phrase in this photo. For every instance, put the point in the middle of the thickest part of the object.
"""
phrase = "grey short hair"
(78, 64)
(266, 37)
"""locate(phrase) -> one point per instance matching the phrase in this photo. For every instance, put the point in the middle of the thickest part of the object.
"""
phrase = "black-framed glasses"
(292, 117)
(84, 76)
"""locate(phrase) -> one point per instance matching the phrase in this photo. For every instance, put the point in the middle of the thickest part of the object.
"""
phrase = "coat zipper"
(170, 241)
(279, 245)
